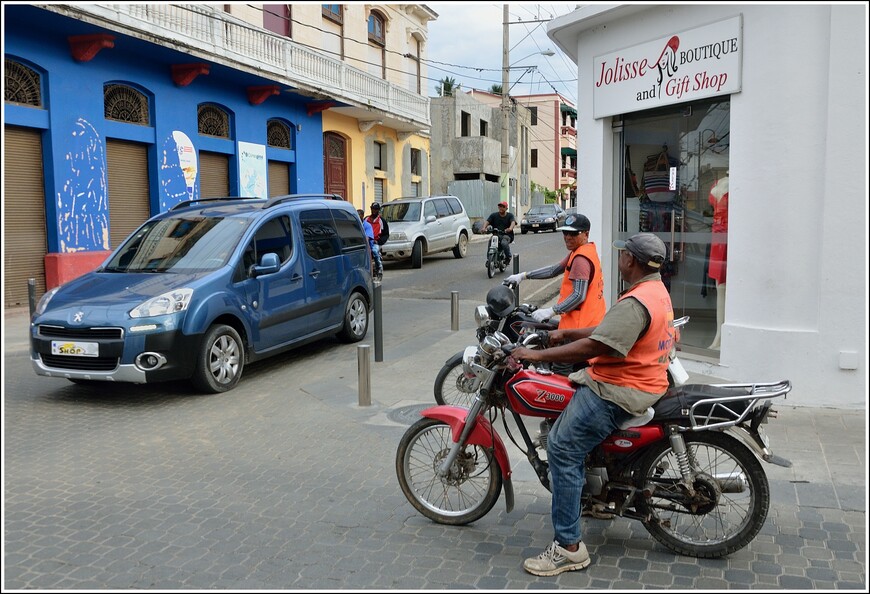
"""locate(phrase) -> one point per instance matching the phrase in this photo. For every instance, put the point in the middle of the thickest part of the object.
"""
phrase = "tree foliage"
(446, 87)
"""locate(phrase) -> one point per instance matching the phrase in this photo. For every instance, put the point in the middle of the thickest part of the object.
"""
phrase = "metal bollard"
(31, 295)
(517, 271)
(364, 379)
(454, 310)
(379, 323)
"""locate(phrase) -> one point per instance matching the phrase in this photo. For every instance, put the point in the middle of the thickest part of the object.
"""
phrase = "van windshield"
(179, 244)
(401, 211)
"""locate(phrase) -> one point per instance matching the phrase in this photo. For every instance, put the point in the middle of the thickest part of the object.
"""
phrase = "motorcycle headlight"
(481, 316)
(43, 301)
(171, 302)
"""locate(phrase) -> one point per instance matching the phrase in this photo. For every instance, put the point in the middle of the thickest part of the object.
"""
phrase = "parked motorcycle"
(496, 258)
(690, 473)
(500, 314)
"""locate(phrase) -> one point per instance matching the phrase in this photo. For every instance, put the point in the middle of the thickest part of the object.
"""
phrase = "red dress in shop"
(719, 241)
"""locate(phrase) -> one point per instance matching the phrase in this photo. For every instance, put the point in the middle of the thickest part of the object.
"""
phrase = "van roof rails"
(187, 203)
(276, 200)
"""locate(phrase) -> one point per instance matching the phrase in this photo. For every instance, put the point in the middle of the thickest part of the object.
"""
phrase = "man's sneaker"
(555, 560)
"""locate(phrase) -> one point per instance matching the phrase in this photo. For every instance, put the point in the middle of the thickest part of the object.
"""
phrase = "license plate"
(535, 225)
(75, 349)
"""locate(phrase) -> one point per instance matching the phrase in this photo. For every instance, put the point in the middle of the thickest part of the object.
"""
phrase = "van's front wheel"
(220, 361)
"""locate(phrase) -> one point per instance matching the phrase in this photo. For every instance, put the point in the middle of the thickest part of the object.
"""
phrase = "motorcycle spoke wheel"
(451, 385)
(469, 490)
(731, 502)
(490, 268)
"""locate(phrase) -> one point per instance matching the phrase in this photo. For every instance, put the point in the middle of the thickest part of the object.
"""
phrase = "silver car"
(425, 225)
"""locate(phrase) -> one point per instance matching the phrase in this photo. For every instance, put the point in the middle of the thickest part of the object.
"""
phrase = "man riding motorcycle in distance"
(581, 298)
(503, 221)
(628, 354)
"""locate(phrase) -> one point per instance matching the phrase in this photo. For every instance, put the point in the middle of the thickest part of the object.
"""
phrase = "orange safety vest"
(645, 366)
(593, 307)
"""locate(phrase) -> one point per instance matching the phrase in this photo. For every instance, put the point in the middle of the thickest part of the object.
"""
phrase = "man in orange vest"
(628, 354)
(581, 298)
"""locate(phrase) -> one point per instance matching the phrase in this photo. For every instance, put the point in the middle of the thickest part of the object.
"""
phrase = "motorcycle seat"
(638, 420)
(677, 402)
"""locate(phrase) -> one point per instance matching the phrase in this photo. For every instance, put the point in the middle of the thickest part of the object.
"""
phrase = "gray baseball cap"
(646, 247)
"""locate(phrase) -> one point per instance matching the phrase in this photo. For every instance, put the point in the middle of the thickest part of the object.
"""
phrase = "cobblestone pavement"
(286, 483)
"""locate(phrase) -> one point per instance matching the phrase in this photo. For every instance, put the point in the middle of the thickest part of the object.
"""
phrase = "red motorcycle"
(689, 469)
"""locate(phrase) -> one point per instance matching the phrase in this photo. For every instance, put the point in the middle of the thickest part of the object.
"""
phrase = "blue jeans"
(505, 245)
(585, 423)
(376, 254)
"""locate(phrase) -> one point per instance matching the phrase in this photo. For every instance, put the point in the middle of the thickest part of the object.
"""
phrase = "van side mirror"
(269, 263)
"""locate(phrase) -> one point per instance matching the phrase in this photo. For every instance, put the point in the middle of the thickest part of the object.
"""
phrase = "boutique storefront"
(731, 132)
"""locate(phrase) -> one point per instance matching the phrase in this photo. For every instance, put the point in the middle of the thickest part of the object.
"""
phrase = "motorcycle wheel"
(719, 521)
(451, 385)
(490, 267)
(468, 492)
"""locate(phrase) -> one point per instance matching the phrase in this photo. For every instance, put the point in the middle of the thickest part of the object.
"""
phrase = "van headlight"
(168, 303)
(43, 301)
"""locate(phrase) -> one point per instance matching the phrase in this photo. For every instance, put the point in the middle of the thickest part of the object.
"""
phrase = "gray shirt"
(624, 322)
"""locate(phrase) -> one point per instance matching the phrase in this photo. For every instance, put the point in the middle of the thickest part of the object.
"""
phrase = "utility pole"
(505, 115)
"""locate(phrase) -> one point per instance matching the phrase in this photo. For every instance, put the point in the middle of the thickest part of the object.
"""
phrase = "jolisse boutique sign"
(691, 65)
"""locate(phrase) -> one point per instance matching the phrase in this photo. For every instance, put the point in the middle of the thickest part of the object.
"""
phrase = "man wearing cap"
(581, 298)
(503, 221)
(381, 231)
(628, 355)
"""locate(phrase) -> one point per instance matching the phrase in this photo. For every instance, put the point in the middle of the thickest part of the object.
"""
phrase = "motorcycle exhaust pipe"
(732, 482)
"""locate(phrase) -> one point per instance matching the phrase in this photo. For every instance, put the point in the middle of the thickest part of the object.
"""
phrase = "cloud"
(466, 42)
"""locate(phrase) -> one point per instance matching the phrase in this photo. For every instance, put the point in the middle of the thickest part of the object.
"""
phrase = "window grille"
(278, 135)
(213, 121)
(22, 85)
(125, 104)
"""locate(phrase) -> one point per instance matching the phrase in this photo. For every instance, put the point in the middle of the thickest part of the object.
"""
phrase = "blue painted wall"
(75, 130)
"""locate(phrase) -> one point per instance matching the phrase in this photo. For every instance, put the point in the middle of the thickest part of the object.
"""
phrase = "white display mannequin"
(718, 258)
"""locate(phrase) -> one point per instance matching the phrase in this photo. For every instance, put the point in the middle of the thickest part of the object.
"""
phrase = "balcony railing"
(214, 35)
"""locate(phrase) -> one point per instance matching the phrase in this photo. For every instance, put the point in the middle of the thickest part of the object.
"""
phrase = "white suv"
(425, 225)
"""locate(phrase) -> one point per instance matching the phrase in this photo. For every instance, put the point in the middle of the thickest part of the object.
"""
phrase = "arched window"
(122, 103)
(377, 28)
(22, 85)
(213, 121)
(278, 135)
(377, 45)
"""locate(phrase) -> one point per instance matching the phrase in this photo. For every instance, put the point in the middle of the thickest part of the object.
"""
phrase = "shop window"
(125, 104)
(22, 85)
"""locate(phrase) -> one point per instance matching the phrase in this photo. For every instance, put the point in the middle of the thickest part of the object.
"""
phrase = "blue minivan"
(201, 290)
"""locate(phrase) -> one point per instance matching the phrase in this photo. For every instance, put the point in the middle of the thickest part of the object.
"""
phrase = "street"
(286, 482)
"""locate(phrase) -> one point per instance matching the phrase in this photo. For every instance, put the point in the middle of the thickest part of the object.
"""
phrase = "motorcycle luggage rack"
(719, 406)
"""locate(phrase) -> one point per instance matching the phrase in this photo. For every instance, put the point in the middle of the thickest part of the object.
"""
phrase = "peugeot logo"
(78, 317)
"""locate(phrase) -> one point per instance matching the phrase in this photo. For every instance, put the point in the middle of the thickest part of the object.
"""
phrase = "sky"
(465, 43)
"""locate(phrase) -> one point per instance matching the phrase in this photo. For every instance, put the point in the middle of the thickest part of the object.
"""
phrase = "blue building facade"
(75, 89)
